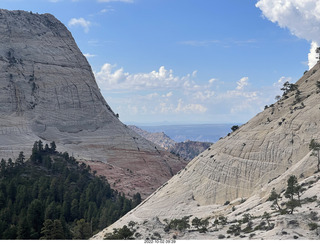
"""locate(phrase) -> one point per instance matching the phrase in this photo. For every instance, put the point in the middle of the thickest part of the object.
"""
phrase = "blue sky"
(188, 61)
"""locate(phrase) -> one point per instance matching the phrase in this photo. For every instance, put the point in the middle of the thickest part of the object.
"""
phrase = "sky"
(189, 61)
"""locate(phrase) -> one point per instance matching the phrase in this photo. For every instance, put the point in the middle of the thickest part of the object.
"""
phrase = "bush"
(120, 234)
(313, 226)
(246, 217)
(234, 128)
(234, 229)
(221, 236)
(178, 224)
(314, 216)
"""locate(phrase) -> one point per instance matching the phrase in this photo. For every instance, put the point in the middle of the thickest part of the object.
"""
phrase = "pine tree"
(20, 159)
(82, 230)
(53, 147)
(10, 163)
(3, 167)
(57, 233)
(293, 189)
(46, 148)
(136, 199)
(74, 211)
(23, 229)
(315, 147)
(46, 230)
(35, 216)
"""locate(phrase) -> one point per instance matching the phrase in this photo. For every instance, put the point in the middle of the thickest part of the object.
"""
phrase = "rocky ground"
(241, 219)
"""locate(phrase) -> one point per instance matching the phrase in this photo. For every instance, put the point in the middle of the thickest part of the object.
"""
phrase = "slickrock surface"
(260, 155)
(188, 150)
(159, 138)
(48, 92)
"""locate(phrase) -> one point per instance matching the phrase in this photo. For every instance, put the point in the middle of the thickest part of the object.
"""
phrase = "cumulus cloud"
(301, 17)
(190, 108)
(242, 83)
(211, 81)
(110, 79)
(85, 24)
(203, 95)
(313, 56)
(162, 92)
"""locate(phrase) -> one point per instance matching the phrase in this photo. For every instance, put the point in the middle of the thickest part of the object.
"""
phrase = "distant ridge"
(187, 150)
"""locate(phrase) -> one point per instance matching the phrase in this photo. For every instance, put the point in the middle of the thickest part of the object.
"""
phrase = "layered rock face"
(159, 138)
(248, 163)
(48, 92)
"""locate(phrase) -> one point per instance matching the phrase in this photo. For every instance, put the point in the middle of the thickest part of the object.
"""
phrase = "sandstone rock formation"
(189, 149)
(247, 164)
(186, 150)
(159, 138)
(48, 92)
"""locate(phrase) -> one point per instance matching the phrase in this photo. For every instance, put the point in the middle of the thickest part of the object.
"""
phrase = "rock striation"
(159, 138)
(189, 149)
(48, 92)
(247, 164)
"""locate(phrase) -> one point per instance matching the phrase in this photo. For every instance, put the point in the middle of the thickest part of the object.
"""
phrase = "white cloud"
(242, 83)
(203, 95)
(110, 79)
(162, 93)
(85, 24)
(169, 94)
(88, 55)
(281, 81)
(301, 17)
(106, 10)
(190, 108)
(312, 56)
(211, 81)
(108, 1)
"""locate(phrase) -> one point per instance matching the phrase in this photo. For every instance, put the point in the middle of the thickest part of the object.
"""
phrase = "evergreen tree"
(46, 148)
(293, 189)
(20, 159)
(23, 229)
(274, 197)
(40, 146)
(136, 199)
(315, 147)
(53, 147)
(10, 163)
(45, 201)
(35, 216)
(46, 230)
(57, 233)
(82, 230)
(3, 166)
(74, 211)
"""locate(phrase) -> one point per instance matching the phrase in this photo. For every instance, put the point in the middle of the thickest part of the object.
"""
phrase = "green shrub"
(123, 233)
(178, 224)
(313, 226)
